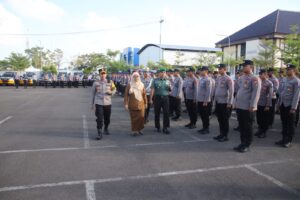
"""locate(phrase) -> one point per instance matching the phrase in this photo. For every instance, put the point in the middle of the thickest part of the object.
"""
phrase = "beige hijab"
(136, 87)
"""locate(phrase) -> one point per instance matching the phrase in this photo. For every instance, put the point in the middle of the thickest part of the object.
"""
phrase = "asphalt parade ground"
(48, 151)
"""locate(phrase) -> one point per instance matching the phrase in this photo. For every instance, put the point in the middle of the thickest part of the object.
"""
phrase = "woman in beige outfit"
(135, 100)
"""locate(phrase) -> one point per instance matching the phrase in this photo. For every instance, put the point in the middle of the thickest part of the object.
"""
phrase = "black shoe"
(158, 130)
(237, 129)
(287, 145)
(187, 125)
(258, 133)
(201, 130)
(176, 118)
(166, 131)
(223, 139)
(99, 137)
(134, 134)
(140, 132)
(244, 149)
(192, 127)
(205, 131)
(280, 142)
(217, 137)
(262, 135)
(237, 148)
(106, 132)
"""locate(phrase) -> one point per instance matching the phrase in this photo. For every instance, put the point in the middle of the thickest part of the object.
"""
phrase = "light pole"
(160, 50)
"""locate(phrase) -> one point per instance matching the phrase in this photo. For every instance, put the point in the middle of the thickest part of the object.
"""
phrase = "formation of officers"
(251, 96)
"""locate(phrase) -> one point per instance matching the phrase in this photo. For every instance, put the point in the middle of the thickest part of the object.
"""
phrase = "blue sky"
(189, 22)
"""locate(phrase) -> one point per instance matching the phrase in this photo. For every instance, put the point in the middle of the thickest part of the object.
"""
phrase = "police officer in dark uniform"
(288, 102)
(176, 95)
(264, 104)
(204, 99)
(224, 100)
(160, 91)
(246, 99)
(190, 90)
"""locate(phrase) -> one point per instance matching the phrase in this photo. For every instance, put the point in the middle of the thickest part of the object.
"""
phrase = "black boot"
(106, 132)
(99, 137)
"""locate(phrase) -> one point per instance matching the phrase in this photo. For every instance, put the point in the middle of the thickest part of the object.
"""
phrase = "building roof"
(278, 22)
(180, 48)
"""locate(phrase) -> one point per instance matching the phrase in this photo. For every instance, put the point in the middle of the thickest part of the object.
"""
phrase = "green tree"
(112, 54)
(179, 58)
(18, 61)
(266, 55)
(290, 53)
(4, 65)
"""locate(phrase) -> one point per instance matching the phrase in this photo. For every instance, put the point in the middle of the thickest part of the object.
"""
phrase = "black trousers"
(191, 107)
(288, 123)
(147, 109)
(175, 106)
(17, 82)
(245, 119)
(297, 114)
(54, 84)
(69, 84)
(161, 102)
(204, 112)
(263, 118)
(223, 114)
(25, 83)
(62, 84)
(46, 84)
(272, 112)
(84, 83)
(103, 116)
(34, 83)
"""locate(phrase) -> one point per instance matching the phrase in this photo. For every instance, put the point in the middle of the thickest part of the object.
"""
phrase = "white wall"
(188, 59)
(151, 53)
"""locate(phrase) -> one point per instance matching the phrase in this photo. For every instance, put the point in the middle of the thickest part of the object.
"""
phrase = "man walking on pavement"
(160, 91)
(102, 90)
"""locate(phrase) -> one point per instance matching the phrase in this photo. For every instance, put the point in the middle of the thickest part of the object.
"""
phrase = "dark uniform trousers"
(263, 118)
(103, 115)
(223, 114)
(175, 106)
(204, 114)
(34, 83)
(272, 112)
(17, 82)
(191, 107)
(161, 102)
(288, 123)
(147, 109)
(297, 114)
(245, 119)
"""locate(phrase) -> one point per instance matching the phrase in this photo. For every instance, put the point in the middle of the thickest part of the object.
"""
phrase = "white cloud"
(9, 23)
(42, 10)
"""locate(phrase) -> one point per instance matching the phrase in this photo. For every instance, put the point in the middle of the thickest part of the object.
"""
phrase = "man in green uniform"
(160, 89)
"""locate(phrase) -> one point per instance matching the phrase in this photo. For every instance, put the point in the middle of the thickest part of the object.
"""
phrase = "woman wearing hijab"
(135, 100)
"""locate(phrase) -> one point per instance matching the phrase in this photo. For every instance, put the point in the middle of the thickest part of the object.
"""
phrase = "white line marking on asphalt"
(85, 133)
(90, 190)
(6, 119)
(100, 147)
(274, 181)
(156, 175)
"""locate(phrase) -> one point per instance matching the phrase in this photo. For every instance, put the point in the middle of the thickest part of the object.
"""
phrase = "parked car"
(8, 78)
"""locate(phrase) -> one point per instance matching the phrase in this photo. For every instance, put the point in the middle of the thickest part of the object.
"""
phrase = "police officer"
(177, 95)
(46, 79)
(190, 90)
(147, 81)
(102, 90)
(246, 104)
(275, 83)
(171, 78)
(204, 99)
(54, 80)
(34, 79)
(288, 102)
(17, 80)
(160, 91)
(264, 104)
(224, 100)
(25, 80)
(70, 80)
